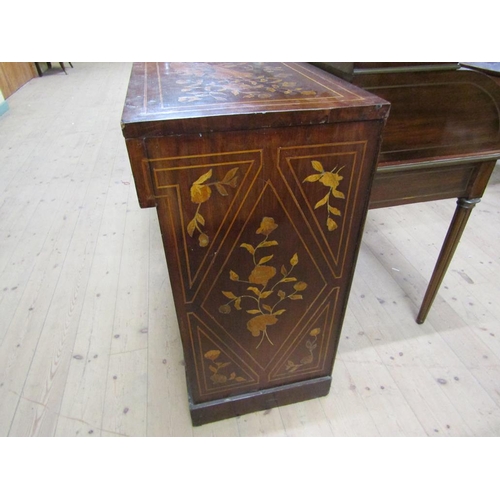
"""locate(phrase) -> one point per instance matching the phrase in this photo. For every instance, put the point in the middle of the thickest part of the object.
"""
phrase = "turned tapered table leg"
(457, 226)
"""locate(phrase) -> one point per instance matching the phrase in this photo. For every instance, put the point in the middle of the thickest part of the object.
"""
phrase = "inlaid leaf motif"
(254, 311)
(250, 248)
(265, 259)
(222, 190)
(313, 178)
(203, 178)
(200, 219)
(191, 227)
(254, 290)
(332, 181)
(230, 175)
(266, 244)
(323, 201)
(317, 166)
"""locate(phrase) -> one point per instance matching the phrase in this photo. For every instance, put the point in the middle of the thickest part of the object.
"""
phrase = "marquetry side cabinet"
(261, 176)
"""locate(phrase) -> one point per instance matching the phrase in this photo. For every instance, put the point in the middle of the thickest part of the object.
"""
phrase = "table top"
(168, 98)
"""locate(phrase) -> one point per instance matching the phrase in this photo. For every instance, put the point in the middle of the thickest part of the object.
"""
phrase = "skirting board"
(4, 107)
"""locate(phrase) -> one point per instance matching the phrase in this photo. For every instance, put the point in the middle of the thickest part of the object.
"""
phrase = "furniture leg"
(457, 226)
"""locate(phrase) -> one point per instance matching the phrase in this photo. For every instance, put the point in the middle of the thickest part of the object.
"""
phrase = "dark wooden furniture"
(442, 140)
(261, 175)
(49, 66)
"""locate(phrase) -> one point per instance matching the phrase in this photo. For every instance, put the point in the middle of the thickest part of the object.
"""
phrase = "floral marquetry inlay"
(268, 289)
(201, 191)
(260, 173)
(226, 81)
(331, 179)
(221, 371)
(310, 346)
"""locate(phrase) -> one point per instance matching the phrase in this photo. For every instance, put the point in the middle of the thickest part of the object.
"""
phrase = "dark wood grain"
(261, 175)
(442, 140)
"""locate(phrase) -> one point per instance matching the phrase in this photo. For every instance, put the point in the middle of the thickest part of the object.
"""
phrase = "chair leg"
(62, 66)
(70, 64)
(455, 231)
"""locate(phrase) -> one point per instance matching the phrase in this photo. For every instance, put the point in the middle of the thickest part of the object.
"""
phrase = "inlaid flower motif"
(267, 226)
(216, 366)
(311, 345)
(259, 324)
(268, 289)
(223, 82)
(201, 192)
(331, 180)
(262, 274)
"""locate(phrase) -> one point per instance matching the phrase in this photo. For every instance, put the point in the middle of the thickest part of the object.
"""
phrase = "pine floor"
(89, 343)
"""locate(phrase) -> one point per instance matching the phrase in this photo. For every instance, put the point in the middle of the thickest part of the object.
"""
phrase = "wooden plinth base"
(262, 400)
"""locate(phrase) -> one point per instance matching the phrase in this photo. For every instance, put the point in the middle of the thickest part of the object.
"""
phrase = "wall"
(14, 75)
(4, 106)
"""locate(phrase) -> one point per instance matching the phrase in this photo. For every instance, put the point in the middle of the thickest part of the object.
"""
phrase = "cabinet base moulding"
(266, 399)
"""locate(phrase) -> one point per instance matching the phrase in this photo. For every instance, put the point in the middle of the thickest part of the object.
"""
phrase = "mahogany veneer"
(261, 176)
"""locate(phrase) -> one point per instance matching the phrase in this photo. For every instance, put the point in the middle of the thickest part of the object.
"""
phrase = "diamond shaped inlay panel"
(263, 292)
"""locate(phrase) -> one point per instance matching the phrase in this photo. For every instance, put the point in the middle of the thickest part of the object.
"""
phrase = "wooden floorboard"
(89, 342)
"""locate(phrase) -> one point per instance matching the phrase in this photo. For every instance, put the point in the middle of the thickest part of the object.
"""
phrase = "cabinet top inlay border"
(196, 96)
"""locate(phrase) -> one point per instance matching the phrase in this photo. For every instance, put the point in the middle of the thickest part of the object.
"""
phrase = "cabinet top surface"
(204, 96)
